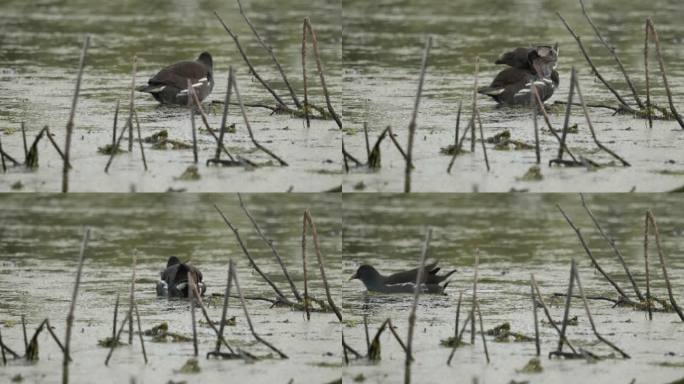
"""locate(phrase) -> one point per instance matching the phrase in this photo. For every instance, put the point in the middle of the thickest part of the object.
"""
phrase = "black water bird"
(527, 66)
(404, 281)
(174, 279)
(170, 85)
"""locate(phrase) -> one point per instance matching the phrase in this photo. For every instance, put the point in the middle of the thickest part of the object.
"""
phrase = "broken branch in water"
(566, 312)
(414, 116)
(549, 318)
(482, 332)
(195, 298)
(474, 300)
(205, 121)
(534, 314)
(648, 279)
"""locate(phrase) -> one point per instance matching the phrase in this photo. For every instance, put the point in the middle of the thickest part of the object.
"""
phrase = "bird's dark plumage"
(174, 279)
(170, 85)
(527, 66)
(402, 282)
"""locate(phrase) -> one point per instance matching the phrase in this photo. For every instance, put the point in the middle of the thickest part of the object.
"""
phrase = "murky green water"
(517, 235)
(39, 49)
(40, 236)
(382, 47)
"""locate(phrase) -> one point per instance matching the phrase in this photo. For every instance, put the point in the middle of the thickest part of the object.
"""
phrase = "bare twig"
(140, 332)
(663, 264)
(484, 148)
(648, 279)
(548, 315)
(612, 51)
(72, 114)
(249, 256)
(249, 321)
(314, 40)
(269, 242)
(205, 121)
(249, 64)
(224, 312)
(472, 309)
(590, 254)
(115, 342)
(474, 106)
(414, 115)
(114, 126)
(196, 298)
(482, 332)
(416, 291)
(306, 278)
(533, 104)
(617, 252)
(591, 320)
(23, 139)
(193, 130)
(593, 67)
(321, 264)
(661, 63)
(648, 85)
(224, 118)
(534, 315)
(566, 121)
(131, 298)
(115, 148)
(269, 49)
(249, 128)
(566, 312)
(131, 106)
(116, 314)
(140, 141)
(72, 307)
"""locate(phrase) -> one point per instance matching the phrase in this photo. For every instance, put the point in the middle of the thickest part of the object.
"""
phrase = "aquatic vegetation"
(190, 366)
(532, 366)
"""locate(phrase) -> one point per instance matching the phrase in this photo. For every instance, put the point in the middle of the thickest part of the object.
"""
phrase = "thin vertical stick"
(205, 120)
(192, 122)
(611, 242)
(197, 300)
(116, 313)
(321, 265)
(224, 312)
(2, 348)
(140, 141)
(319, 66)
(663, 264)
(273, 249)
(224, 118)
(566, 313)
(2, 155)
(474, 107)
(457, 150)
(131, 104)
(416, 296)
(116, 147)
(548, 315)
(457, 340)
(568, 109)
(23, 139)
(306, 283)
(72, 307)
(414, 115)
(458, 124)
(458, 314)
(23, 329)
(472, 309)
(116, 118)
(132, 298)
(661, 63)
(648, 83)
(191, 294)
(70, 123)
(591, 320)
(648, 279)
(249, 128)
(484, 148)
(249, 321)
(534, 315)
(482, 332)
(306, 94)
(140, 332)
(365, 327)
(365, 133)
(533, 103)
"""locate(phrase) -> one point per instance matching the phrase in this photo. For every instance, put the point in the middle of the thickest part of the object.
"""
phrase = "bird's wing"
(177, 75)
